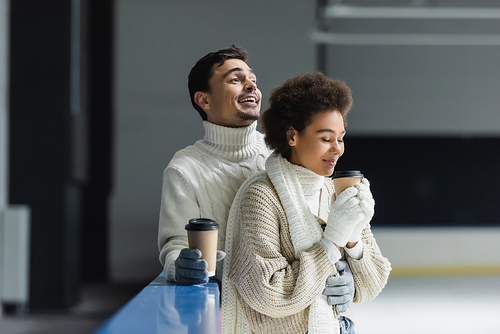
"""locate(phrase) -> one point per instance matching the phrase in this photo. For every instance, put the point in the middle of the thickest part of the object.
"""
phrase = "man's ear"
(291, 134)
(201, 100)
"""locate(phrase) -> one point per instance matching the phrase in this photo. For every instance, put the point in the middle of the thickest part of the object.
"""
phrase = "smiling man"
(201, 180)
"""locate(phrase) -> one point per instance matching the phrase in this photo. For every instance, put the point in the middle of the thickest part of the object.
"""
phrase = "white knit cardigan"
(304, 230)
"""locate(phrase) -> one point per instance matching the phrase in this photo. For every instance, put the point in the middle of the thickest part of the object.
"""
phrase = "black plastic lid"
(346, 173)
(202, 224)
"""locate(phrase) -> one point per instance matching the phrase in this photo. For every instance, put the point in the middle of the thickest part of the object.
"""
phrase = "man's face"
(233, 99)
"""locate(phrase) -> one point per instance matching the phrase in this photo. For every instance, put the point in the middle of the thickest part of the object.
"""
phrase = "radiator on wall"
(14, 255)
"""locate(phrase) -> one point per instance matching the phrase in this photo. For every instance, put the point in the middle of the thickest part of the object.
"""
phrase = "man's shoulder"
(193, 159)
(189, 155)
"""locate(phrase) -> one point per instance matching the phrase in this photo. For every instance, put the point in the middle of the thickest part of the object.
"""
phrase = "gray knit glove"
(367, 204)
(345, 214)
(340, 289)
(191, 269)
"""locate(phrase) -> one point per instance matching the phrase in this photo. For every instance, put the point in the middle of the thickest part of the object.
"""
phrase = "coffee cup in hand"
(346, 179)
(202, 234)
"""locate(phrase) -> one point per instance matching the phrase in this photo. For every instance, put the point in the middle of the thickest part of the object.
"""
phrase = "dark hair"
(296, 101)
(202, 71)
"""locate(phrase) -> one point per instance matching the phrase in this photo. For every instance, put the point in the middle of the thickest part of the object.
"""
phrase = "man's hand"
(340, 289)
(190, 268)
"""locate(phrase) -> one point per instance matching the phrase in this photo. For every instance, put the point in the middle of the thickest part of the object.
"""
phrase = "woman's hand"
(345, 214)
(340, 289)
(367, 204)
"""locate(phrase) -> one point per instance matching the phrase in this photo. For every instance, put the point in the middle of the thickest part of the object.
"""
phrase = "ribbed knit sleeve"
(201, 180)
(268, 276)
(178, 205)
(371, 272)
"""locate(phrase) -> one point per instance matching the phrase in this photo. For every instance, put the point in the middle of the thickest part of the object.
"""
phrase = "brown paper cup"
(203, 235)
(346, 179)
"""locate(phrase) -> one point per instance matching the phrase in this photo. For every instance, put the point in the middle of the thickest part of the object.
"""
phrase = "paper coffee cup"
(202, 234)
(345, 179)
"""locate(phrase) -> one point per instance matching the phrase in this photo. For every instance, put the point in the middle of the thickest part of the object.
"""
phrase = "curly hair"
(296, 101)
(203, 70)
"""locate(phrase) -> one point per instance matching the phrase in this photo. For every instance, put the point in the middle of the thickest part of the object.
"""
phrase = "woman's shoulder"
(263, 186)
(261, 193)
(261, 197)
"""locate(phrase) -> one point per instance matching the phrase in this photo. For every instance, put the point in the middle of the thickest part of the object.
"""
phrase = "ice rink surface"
(433, 305)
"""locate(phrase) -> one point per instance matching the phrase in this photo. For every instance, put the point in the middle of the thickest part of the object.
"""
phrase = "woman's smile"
(330, 162)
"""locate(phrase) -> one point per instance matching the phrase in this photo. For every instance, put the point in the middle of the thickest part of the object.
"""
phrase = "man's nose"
(250, 85)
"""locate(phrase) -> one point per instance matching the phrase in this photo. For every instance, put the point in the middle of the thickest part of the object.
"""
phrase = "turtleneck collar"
(234, 144)
(221, 135)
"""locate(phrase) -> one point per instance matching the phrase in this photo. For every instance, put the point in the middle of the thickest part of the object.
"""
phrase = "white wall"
(440, 251)
(157, 43)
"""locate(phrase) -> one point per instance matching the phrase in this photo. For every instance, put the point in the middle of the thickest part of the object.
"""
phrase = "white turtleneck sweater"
(201, 181)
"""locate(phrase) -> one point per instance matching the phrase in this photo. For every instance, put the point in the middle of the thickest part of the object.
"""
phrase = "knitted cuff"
(356, 252)
(332, 251)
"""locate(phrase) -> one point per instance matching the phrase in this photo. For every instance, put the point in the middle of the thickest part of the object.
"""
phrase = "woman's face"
(320, 145)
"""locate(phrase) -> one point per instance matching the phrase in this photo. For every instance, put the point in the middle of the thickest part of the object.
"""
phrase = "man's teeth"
(248, 99)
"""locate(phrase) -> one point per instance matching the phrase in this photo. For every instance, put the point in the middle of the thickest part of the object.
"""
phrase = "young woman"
(287, 228)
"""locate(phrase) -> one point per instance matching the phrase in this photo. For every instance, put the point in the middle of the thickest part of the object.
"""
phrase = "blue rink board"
(163, 307)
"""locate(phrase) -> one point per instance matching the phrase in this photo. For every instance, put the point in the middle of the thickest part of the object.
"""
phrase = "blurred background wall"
(3, 120)
(59, 146)
(419, 111)
(424, 127)
(3, 100)
(157, 43)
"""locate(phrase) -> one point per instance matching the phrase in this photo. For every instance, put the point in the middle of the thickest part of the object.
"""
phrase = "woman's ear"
(291, 134)
(201, 100)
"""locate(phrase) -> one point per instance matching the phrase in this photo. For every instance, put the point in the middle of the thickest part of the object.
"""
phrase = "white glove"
(345, 214)
(367, 204)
